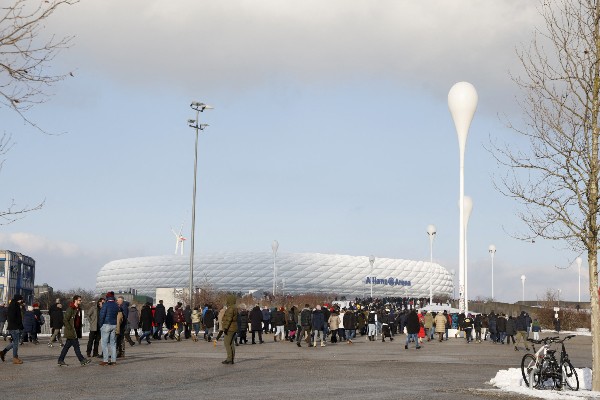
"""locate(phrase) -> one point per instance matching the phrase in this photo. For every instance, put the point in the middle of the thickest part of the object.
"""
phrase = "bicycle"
(541, 370)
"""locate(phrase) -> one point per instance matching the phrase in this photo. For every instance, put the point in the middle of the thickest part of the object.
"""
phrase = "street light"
(579, 261)
(194, 123)
(453, 272)
(372, 261)
(462, 101)
(274, 247)
(468, 203)
(492, 250)
(523, 287)
(431, 232)
(559, 291)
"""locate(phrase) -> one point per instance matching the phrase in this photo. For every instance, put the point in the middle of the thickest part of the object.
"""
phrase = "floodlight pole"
(198, 107)
(372, 261)
(492, 250)
(274, 247)
(431, 233)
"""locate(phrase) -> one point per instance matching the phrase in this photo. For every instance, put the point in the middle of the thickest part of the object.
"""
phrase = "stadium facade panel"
(297, 273)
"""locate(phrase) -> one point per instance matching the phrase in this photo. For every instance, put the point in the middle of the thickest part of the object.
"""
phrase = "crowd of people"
(112, 319)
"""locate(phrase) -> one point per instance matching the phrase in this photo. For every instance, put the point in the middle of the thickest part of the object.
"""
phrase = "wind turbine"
(179, 239)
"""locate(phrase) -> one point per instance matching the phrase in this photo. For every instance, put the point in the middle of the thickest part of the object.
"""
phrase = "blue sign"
(386, 281)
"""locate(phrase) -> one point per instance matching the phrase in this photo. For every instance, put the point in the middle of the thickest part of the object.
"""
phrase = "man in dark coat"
(318, 326)
(56, 322)
(350, 325)
(14, 327)
(160, 315)
(305, 324)
(146, 323)
(256, 324)
(208, 319)
(73, 321)
(412, 328)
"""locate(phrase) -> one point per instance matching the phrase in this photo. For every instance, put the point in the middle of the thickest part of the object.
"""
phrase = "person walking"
(256, 324)
(160, 315)
(108, 326)
(440, 322)
(14, 326)
(208, 320)
(133, 321)
(305, 324)
(196, 320)
(318, 326)
(94, 337)
(412, 329)
(73, 323)
(511, 331)
(278, 321)
(146, 323)
(56, 322)
(230, 328)
(521, 327)
(350, 325)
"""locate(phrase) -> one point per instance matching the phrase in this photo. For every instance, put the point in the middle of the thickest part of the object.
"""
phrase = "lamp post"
(492, 250)
(579, 261)
(431, 233)
(559, 291)
(468, 203)
(194, 123)
(462, 102)
(372, 261)
(453, 272)
(274, 247)
(523, 287)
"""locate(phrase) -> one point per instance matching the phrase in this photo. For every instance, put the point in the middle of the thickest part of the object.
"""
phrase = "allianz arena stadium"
(297, 273)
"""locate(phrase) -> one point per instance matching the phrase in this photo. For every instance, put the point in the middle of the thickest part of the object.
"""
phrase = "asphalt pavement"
(273, 370)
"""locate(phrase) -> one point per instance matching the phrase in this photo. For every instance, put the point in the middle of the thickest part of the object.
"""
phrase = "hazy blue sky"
(331, 133)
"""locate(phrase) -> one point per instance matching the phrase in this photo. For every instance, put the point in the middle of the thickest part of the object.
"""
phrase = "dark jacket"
(29, 324)
(511, 326)
(209, 318)
(13, 315)
(305, 317)
(318, 320)
(146, 318)
(73, 322)
(108, 312)
(134, 317)
(501, 324)
(277, 318)
(160, 314)
(412, 323)
(56, 316)
(256, 317)
(521, 323)
(349, 320)
(2, 314)
(242, 320)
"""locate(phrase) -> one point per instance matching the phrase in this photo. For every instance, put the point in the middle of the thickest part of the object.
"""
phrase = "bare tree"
(556, 178)
(25, 73)
(26, 53)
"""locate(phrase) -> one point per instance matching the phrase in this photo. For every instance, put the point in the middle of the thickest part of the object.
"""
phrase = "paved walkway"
(373, 370)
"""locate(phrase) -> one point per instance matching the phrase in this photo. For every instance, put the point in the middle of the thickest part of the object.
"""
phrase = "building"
(297, 273)
(17, 276)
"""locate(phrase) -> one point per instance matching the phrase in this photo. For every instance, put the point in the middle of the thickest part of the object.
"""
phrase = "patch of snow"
(511, 381)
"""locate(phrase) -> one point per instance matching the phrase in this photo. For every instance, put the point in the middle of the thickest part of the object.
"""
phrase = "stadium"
(297, 273)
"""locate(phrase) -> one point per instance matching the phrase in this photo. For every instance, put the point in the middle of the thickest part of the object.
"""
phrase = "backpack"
(42, 320)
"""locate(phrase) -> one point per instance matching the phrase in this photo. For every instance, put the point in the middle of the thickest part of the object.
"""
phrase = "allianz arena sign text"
(386, 281)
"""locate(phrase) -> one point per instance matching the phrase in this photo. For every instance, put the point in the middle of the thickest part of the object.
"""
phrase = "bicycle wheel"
(527, 364)
(569, 376)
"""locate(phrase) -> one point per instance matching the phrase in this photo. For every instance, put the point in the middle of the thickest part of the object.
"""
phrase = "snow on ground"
(511, 380)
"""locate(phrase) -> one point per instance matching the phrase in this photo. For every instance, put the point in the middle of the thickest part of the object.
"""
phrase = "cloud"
(61, 264)
(241, 43)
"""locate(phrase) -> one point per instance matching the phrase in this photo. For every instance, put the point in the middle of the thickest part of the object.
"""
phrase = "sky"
(330, 133)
